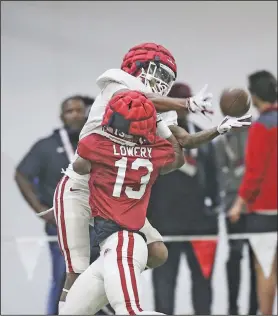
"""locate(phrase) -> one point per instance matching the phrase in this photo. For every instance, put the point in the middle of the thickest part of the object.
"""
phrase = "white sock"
(60, 306)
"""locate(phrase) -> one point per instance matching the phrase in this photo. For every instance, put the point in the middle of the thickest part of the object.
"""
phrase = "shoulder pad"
(122, 77)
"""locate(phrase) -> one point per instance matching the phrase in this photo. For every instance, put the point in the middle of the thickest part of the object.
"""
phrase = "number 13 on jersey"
(122, 169)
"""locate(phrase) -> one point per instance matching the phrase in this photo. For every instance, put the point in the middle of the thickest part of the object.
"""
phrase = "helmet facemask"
(158, 77)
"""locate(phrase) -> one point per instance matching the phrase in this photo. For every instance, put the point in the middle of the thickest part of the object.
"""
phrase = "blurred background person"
(39, 172)
(177, 207)
(258, 189)
(230, 151)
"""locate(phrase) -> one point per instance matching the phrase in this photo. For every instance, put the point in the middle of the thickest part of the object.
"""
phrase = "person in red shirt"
(124, 161)
(258, 190)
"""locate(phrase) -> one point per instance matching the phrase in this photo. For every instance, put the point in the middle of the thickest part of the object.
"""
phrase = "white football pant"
(113, 278)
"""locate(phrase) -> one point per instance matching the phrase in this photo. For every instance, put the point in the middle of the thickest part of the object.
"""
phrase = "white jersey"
(109, 83)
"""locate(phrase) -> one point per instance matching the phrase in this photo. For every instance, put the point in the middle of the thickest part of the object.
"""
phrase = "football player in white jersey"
(151, 69)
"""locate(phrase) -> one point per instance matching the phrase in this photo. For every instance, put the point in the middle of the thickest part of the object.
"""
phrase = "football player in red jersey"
(123, 166)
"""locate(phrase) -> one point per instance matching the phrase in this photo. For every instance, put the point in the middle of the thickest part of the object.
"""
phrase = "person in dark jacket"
(182, 203)
(38, 174)
(257, 193)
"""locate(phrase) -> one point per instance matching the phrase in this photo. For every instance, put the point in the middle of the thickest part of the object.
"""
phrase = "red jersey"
(259, 184)
(121, 177)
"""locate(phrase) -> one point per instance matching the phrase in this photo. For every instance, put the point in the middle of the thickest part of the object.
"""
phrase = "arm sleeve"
(257, 153)
(33, 162)
(170, 117)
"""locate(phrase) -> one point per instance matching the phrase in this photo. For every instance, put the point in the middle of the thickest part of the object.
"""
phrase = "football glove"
(233, 122)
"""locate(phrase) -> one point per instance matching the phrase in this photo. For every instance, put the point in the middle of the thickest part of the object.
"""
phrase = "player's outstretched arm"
(165, 104)
(82, 166)
(187, 140)
(199, 103)
(179, 157)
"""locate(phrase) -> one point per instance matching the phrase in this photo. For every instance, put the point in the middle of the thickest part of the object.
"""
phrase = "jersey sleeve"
(98, 108)
(170, 157)
(87, 148)
(112, 88)
(166, 154)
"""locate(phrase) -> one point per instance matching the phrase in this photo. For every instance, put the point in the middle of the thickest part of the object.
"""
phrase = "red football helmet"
(153, 64)
(131, 116)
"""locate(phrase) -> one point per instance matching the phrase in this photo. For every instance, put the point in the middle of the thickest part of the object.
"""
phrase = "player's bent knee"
(158, 254)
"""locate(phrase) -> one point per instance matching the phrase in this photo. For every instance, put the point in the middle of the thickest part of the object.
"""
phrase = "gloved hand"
(201, 102)
(233, 122)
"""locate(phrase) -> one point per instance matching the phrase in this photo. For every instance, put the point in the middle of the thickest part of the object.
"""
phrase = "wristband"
(163, 130)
